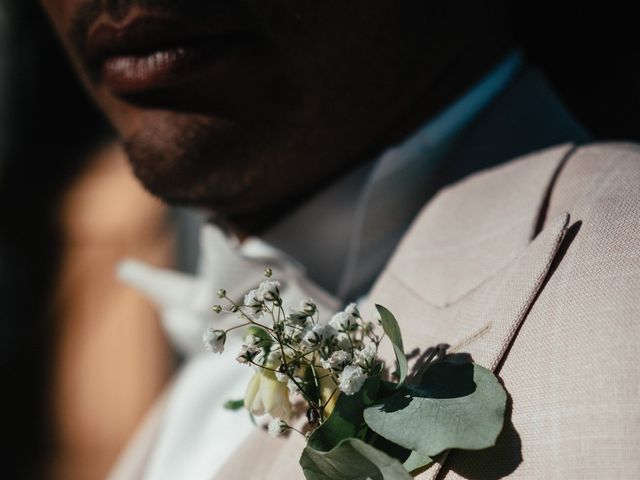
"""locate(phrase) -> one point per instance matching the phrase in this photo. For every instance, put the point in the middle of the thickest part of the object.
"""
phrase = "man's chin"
(195, 163)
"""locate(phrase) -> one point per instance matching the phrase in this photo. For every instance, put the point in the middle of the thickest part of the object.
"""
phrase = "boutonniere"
(357, 422)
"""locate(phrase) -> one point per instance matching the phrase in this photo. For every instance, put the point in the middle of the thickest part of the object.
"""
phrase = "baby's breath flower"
(315, 335)
(352, 310)
(368, 327)
(213, 340)
(351, 379)
(217, 308)
(222, 293)
(366, 357)
(312, 336)
(308, 307)
(337, 361)
(343, 322)
(252, 301)
(342, 341)
(277, 427)
(252, 340)
(268, 291)
(247, 353)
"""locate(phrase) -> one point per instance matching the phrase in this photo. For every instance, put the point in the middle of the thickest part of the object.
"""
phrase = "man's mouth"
(148, 53)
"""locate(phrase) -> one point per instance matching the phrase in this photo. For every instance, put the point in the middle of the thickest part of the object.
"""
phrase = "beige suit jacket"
(532, 268)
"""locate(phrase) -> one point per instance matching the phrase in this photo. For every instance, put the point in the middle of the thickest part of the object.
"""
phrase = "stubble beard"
(203, 162)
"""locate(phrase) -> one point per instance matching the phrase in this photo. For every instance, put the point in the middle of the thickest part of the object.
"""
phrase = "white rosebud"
(213, 340)
(277, 427)
(351, 379)
(343, 322)
(366, 357)
(337, 361)
(265, 395)
(268, 291)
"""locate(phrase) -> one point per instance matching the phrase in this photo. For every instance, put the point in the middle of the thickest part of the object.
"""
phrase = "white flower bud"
(213, 340)
(368, 327)
(351, 379)
(308, 307)
(251, 300)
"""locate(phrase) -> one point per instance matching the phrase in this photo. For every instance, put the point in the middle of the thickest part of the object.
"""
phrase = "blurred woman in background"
(82, 356)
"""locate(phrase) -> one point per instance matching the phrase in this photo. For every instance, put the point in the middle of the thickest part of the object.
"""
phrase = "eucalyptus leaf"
(411, 460)
(346, 419)
(351, 459)
(234, 404)
(416, 460)
(454, 406)
(392, 329)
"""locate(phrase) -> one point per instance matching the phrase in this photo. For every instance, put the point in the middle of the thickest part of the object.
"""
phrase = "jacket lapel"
(472, 291)
(482, 323)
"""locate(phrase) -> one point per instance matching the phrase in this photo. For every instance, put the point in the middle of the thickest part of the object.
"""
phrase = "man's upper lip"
(143, 35)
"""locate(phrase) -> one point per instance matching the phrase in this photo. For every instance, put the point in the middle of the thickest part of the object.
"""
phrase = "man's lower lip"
(130, 74)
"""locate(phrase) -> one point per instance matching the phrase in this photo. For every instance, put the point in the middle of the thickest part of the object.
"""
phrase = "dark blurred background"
(46, 125)
(48, 129)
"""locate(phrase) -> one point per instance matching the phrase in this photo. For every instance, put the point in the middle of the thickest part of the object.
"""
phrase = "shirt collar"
(344, 235)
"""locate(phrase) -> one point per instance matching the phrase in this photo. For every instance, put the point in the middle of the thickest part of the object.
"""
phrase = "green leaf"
(410, 459)
(416, 461)
(392, 329)
(234, 404)
(454, 406)
(351, 459)
(346, 419)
